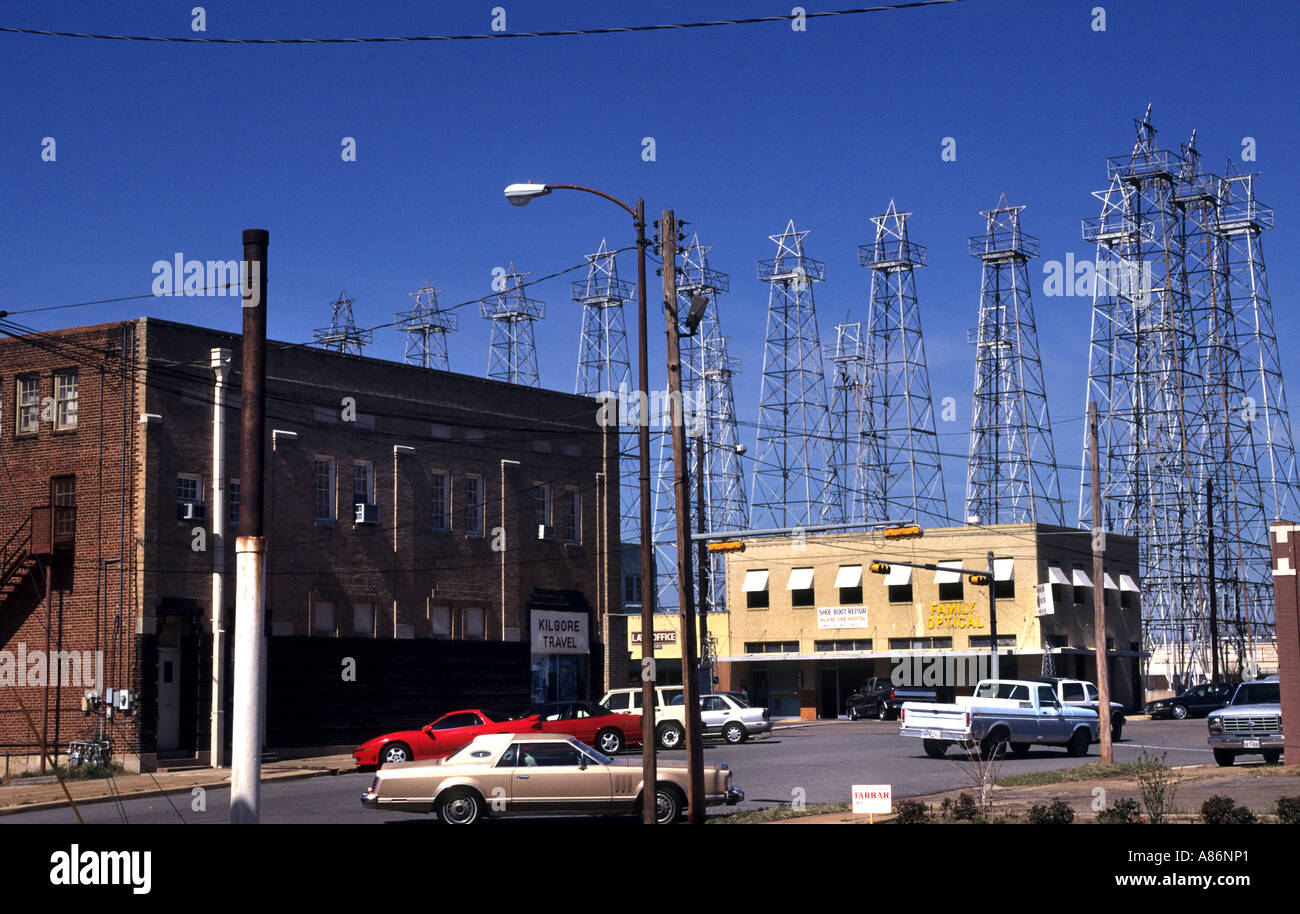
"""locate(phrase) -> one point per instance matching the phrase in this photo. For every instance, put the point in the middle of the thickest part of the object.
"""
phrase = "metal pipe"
(220, 363)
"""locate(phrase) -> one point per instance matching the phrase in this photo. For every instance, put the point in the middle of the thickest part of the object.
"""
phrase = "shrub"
(963, 809)
(1288, 810)
(1158, 783)
(1058, 813)
(1122, 812)
(913, 812)
(1219, 810)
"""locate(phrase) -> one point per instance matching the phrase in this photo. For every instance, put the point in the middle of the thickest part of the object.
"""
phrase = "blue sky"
(177, 148)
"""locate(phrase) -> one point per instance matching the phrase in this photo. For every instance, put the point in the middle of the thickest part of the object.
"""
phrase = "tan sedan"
(526, 774)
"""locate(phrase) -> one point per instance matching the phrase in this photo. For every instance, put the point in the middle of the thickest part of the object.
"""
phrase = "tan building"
(668, 645)
(809, 621)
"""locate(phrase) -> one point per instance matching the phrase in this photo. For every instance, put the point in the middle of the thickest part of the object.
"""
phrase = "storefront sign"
(559, 633)
(872, 798)
(660, 637)
(841, 617)
(953, 615)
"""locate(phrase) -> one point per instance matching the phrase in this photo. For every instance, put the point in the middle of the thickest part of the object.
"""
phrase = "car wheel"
(882, 711)
(1116, 728)
(460, 807)
(668, 804)
(1224, 758)
(394, 753)
(1078, 745)
(609, 741)
(735, 733)
(1180, 712)
(935, 748)
(1272, 756)
(993, 745)
(1020, 750)
(671, 735)
(853, 713)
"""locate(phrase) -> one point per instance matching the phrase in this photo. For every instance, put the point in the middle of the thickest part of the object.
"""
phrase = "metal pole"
(1214, 590)
(993, 616)
(702, 558)
(250, 547)
(649, 772)
(1099, 596)
(220, 363)
(681, 495)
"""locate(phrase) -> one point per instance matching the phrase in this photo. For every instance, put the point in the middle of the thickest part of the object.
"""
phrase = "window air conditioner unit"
(366, 514)
(545, 532)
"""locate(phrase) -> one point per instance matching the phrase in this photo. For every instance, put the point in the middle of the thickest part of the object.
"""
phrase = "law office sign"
(559, 632)
(841, 617)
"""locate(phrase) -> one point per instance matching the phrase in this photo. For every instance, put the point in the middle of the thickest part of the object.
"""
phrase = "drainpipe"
(220, 364)
(504, 464)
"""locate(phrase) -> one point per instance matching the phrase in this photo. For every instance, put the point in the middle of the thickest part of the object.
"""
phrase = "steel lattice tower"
(512, 354)
(342, 334)
(850, 451)
(426, 327)
(1144, 376)
(1011, 474)
(710, 412)
(790, 469)
(604, 370)
(904, 476)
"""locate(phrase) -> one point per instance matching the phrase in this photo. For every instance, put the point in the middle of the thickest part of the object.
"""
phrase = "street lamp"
(522, 195)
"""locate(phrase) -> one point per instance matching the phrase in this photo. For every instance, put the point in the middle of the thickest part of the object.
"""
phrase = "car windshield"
(1258, 693)
(734, 696)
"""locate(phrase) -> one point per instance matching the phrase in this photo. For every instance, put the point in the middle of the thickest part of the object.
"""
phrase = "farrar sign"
(559, 633)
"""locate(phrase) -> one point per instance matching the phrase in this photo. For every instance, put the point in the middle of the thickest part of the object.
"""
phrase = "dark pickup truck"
(880, 698)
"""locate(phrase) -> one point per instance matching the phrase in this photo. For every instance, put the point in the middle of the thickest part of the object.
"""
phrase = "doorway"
(828, 696)
(169, 686)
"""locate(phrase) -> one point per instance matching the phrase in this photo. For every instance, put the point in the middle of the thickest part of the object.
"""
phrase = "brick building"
(420, 525)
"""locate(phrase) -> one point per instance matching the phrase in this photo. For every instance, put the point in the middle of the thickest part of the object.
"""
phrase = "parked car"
(670, 713)
(723, 716)
(514, 774)
(1252, 723)
(880, 698)
(439, 739)
(1195, 702)
(1001, 713)
(1079, 694)
(593, 724)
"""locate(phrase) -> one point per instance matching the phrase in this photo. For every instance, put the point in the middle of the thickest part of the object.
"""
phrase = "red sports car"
(594, 724)
(439, 739)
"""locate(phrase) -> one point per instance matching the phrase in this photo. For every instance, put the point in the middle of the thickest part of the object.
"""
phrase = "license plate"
(1250, 744)
(932, 734)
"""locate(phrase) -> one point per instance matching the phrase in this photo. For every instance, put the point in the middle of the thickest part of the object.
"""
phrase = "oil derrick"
(512, 353)
(342, 334)
(789, 482)
(426, 327)
(1011, 474)
(710, 415)
(850, 449)
(1143, 374)
(604, 371)
(904, 477)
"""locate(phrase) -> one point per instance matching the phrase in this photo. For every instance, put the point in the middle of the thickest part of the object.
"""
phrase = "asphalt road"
(817, 763)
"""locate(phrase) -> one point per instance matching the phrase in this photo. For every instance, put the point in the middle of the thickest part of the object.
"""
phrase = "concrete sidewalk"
(28, 794)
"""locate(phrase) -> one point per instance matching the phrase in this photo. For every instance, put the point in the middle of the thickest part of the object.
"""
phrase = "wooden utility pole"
(1099, 594)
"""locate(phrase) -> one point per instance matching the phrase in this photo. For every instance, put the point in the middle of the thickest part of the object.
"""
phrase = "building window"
(442, 501)
(771, 647)
(631, 589)
(474, 624)
(65, 399)
(843, 644)
(440, 621)
(322, 618)
(363, 620)
(900, 593)
(800, 586)
(63, 498)
(473, 505)
(189, 497)
(569, 515)
(233, 489)
(324, 500)
(1004, 590)
(542, 506)
(982, 641)
(919, 644)
(363, 483)
(952, 591)
(29, 405)
(755, 589)
(851, 595)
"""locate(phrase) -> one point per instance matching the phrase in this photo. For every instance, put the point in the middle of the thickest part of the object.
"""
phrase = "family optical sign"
(841, 617)
(953, 615)
(559, 633)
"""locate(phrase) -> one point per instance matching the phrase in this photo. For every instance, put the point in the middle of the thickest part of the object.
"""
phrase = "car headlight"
(1216, 724)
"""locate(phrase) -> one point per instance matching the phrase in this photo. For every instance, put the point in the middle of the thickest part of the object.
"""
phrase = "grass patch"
(778, 813)
(80, 773)
(1091, 772)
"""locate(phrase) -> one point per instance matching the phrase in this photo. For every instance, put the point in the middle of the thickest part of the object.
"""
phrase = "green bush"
(913, 812)
(1288, 810)
(1122, 812)
(963, 809)
(1058, 813)
(1219, 810)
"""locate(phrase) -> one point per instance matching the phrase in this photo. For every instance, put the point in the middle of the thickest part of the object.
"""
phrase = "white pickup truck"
(1002, 713)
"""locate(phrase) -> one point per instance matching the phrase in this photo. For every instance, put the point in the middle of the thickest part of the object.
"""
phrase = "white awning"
(898, 576)
(1110, 582)
(800, 579)
(1127, 583)
(849, 576)
(1056, 576)
(1003, 569)
(943, 576)
(755, 580)
(1081, 578)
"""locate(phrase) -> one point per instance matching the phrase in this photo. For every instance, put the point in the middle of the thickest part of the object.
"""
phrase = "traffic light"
(901, 533)
(979, 580)
(879, 568)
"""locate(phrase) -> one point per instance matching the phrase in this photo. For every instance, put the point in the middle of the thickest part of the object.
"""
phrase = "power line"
(555, 33)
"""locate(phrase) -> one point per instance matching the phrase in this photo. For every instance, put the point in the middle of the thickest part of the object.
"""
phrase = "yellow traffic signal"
(979, 580)
(900, 533)
(727, 546)
(879, 568)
